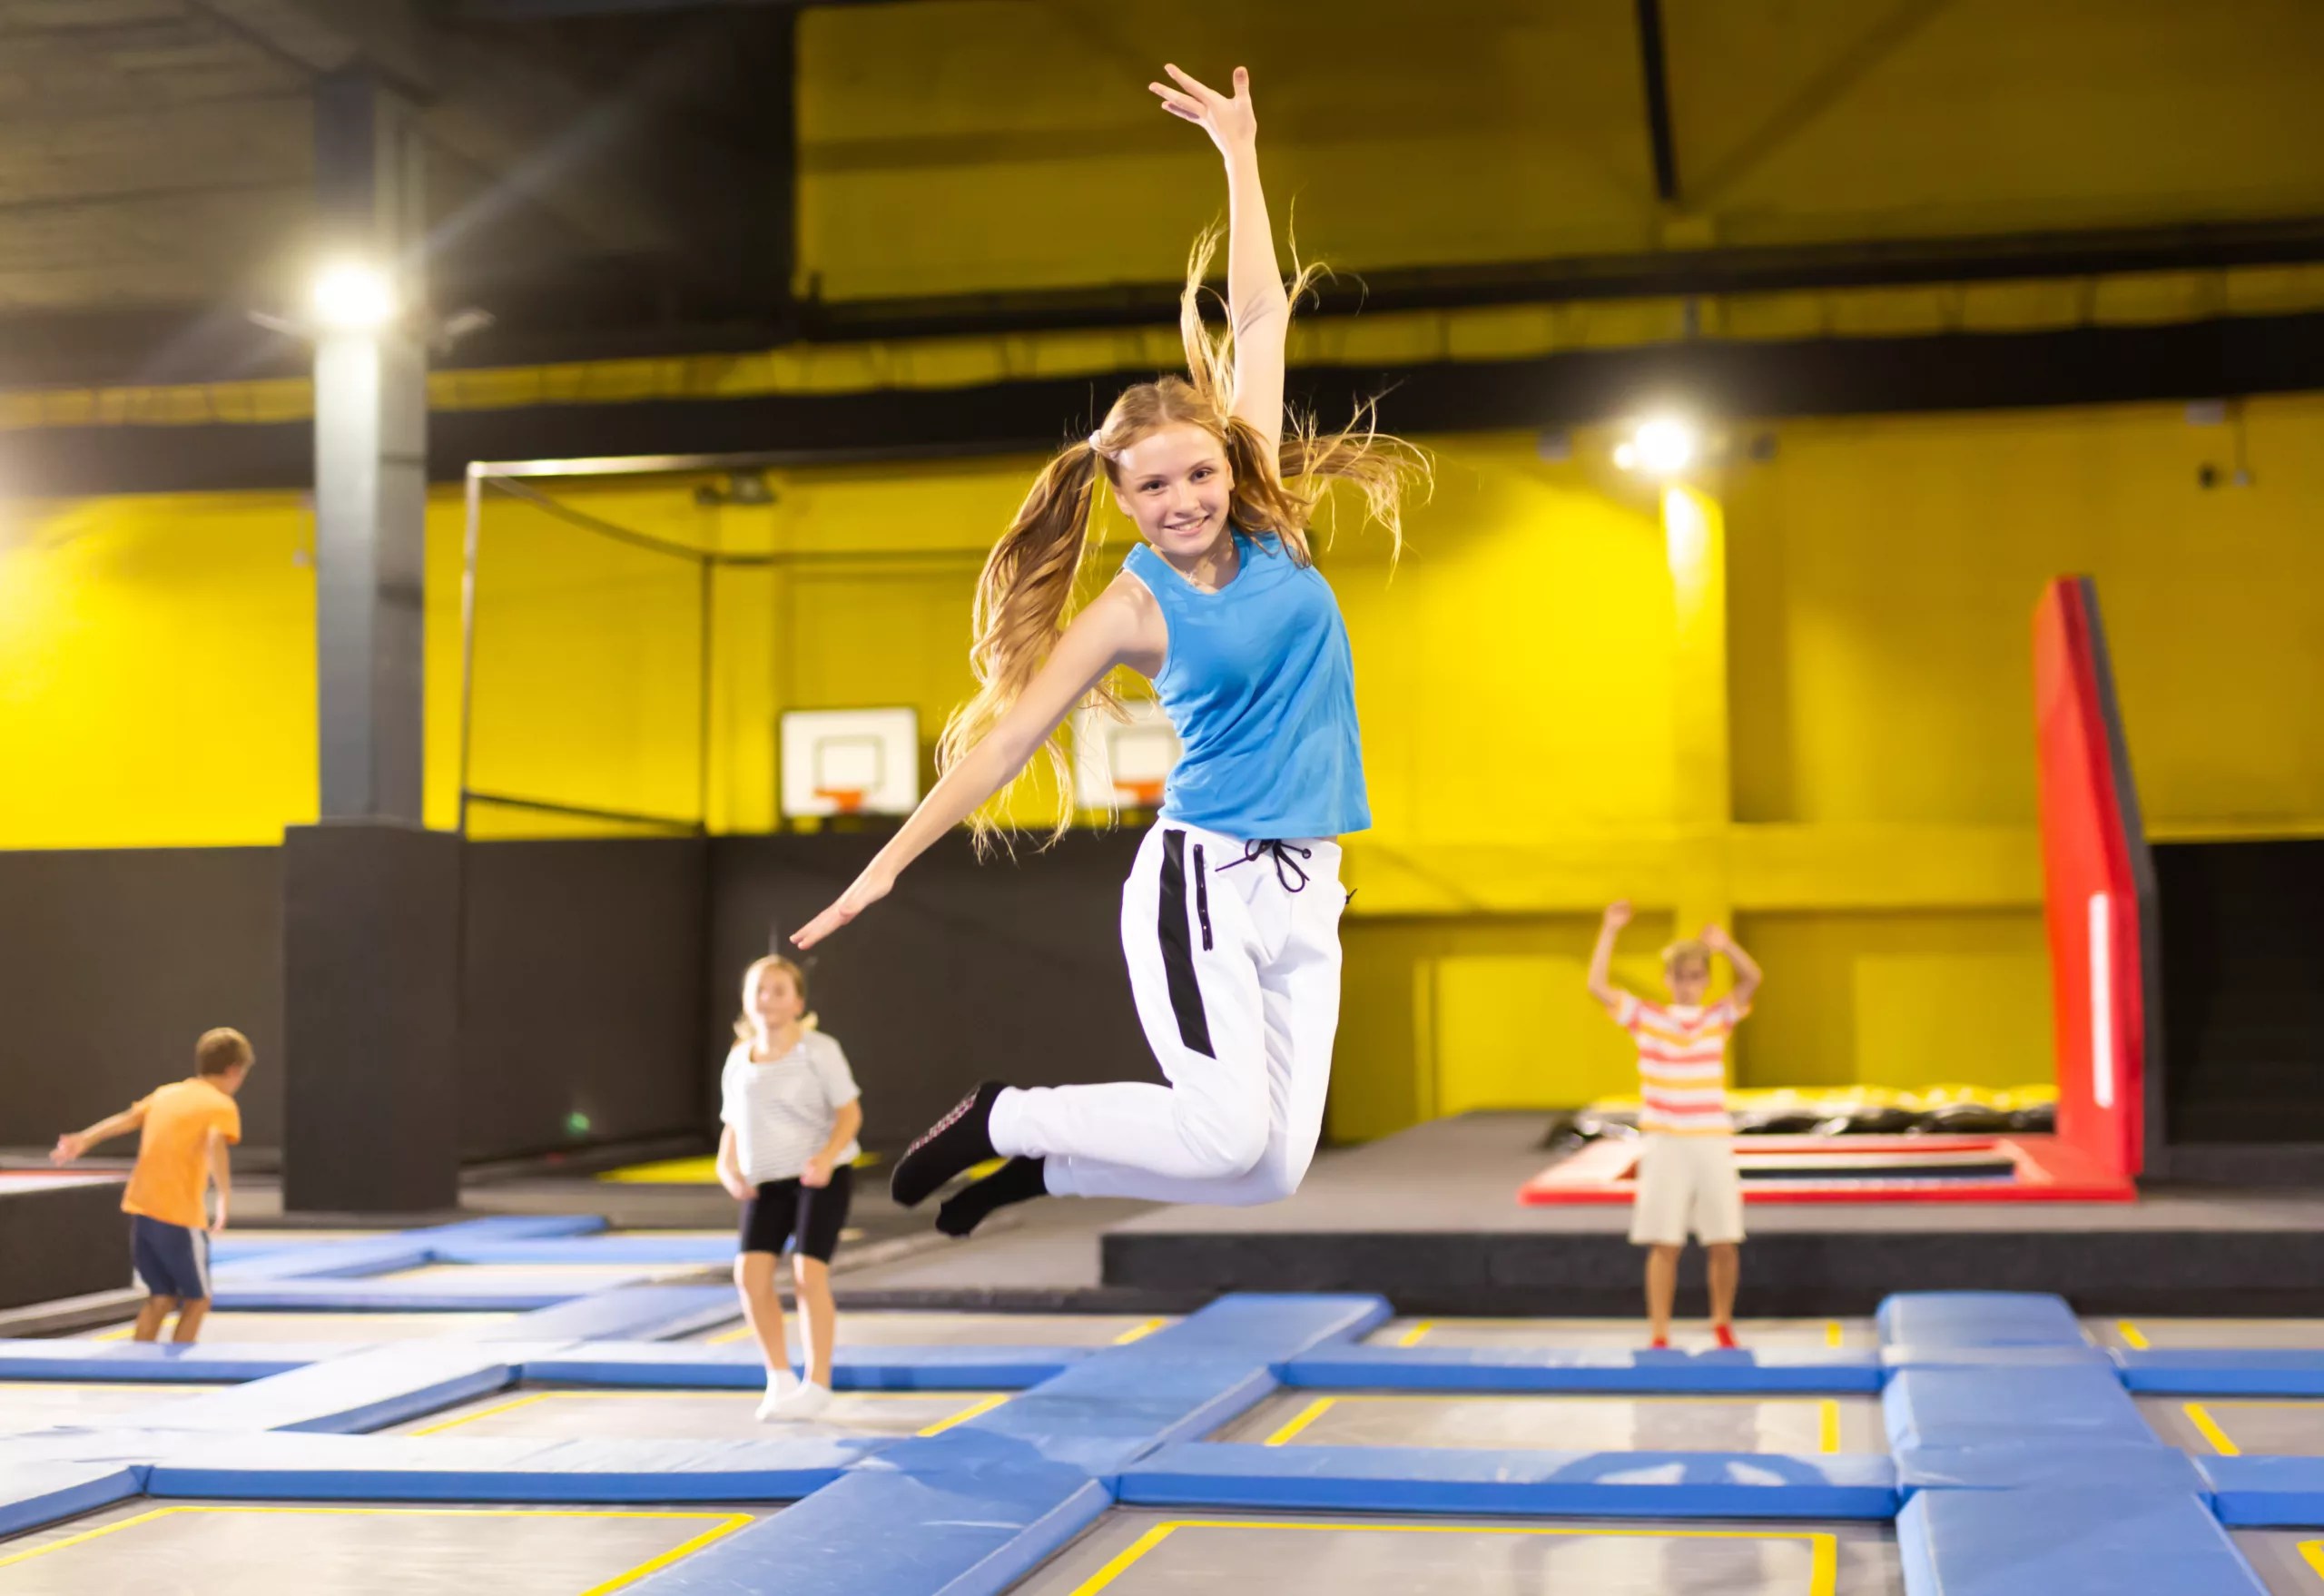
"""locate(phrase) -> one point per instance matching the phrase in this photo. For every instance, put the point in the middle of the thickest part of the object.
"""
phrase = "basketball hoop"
(1140, 795)
(843, 800)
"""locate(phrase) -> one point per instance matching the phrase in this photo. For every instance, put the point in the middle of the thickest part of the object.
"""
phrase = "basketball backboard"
(1122, 764)
(850, 762)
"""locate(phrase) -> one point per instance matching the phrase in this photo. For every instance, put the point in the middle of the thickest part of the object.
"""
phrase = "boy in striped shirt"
(1687, 1177)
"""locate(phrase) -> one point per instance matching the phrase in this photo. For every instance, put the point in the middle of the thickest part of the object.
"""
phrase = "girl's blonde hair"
(1028, 591)
(745, 1031)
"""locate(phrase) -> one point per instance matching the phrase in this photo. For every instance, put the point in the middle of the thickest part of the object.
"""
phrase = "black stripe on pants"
(1177, 948)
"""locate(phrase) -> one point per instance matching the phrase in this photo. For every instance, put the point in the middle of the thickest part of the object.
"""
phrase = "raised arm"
(1747, 969)
(76, 1144)
(1256, 300)
(1601, 957)
(1101, 637)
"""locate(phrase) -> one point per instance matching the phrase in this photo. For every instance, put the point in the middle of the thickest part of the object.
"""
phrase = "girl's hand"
(818, 1172)
(1714, 937)
(737, 1187)
(1618, 914)
(68, 1148)
(867, 889)
(1231, 121)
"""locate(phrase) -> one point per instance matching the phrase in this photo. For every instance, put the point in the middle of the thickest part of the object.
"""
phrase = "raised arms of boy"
(1601, 957)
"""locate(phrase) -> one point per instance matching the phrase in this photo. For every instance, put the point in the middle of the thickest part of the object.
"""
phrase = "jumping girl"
(1230, 918)
(791, 1110)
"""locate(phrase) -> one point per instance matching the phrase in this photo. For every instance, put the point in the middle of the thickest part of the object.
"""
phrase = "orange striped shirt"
(1681, 1063)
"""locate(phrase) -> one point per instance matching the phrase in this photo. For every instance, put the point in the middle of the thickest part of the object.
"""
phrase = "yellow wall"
(1527, 706)
(156, 671)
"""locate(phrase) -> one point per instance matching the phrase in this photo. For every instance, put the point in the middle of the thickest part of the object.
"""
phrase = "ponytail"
(1022, 602)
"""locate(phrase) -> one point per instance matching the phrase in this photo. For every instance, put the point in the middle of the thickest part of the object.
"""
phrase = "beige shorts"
(1687, 1183)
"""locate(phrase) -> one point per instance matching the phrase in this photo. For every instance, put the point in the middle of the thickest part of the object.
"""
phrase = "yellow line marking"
(1833, 1335)
(1413, 1336)
(1823, 1549)
(2312, 1552)
(1140, 1332)
(2133, 1338)
(730, 1337)
(124, 1333)
(732, 1523)
(497, 1409)
(727, 1523)
(1828, 1408)
(984, 1406)
(1308, 1415)
(2201, 1419)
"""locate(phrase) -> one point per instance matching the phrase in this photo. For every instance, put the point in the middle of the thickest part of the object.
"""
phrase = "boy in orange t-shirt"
(187, 1126)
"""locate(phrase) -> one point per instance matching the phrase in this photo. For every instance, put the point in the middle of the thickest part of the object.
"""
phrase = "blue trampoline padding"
(2229, 1372)
(2125, 1465)
(1924, 1357)
(1976, 1407)
(1978, 1318)
(683, 1366)
(431, 1468)
(973, 1534)
(508, 1227)
(392, 1296)
(360, 1390)
(639, 1247)
(1100, 1433)
(621, 1313)
(223, 1362)
(1427, 1479)
(1563, 1368)
(2274, 1490)
(37, 1493)
(2068, 1542)
(322, 1260)
(1264, 1324)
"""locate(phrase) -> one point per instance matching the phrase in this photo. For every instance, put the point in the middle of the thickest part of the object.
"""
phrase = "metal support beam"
(1658, 101)
(371, 463)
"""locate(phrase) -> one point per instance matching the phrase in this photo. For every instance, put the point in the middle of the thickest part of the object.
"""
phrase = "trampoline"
(1305, 1442)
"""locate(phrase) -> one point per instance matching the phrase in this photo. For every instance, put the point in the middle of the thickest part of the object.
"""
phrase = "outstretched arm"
(76, 1144)
(1100, 638)
(1256, 300)
(1601, 957)
(1747, 969)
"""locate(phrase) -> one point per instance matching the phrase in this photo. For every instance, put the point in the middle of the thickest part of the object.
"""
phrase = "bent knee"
(1223, 1149)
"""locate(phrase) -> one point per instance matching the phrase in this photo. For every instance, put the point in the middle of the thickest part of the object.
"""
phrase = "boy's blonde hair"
(222, 1049)
(1686, 950)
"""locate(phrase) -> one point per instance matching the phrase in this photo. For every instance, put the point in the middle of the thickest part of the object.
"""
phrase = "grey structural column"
(371, 461)
(371, 900)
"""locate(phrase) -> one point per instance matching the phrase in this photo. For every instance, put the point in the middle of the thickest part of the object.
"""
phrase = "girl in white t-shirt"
(791, 1111)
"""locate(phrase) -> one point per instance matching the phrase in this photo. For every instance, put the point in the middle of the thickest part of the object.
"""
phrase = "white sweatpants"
(1236, 969)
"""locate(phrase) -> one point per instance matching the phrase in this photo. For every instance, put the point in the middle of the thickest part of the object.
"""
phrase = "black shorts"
(784, 1209)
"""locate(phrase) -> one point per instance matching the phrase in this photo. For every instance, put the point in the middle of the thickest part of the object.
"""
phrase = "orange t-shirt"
(174, 1151)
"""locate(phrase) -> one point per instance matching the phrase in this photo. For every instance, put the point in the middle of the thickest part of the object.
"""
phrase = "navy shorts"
(170, 1259)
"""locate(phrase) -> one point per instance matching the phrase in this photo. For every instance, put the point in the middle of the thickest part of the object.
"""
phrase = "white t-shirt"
(783, 1109)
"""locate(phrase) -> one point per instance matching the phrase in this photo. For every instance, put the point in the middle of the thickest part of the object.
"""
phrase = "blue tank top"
(1260, 687)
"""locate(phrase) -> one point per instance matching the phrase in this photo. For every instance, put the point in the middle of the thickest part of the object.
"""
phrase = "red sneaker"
(1660, 1344)
(1724, 1336)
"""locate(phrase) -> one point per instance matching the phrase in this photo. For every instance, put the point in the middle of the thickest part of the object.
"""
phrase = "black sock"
(1020, 1180)
(958, 1142)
